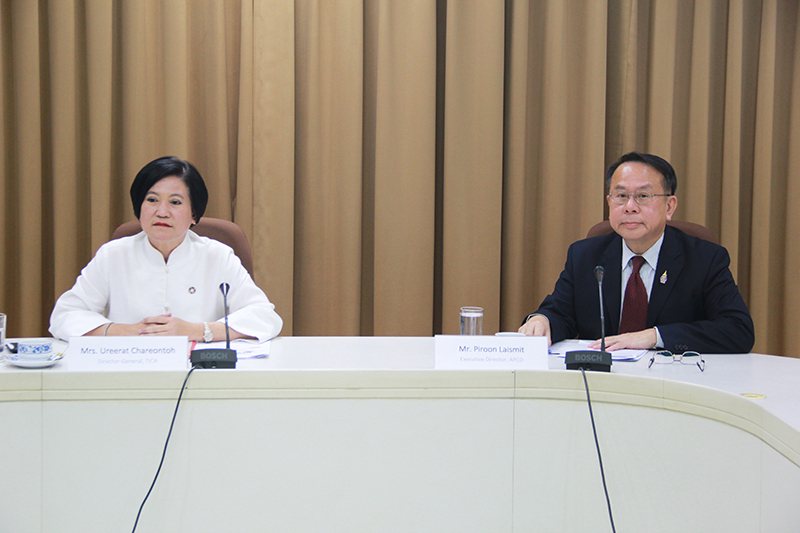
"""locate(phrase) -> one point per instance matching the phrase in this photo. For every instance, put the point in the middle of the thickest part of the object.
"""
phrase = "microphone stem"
(227, 333)
(602, 319)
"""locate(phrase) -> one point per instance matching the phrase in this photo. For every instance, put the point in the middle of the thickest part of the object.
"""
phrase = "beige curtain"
(392, 161)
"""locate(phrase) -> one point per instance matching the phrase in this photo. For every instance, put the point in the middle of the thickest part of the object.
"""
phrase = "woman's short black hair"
(166, 167)
(669, 179)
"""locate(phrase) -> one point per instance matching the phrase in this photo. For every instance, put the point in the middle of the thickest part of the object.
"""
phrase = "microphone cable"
(164, 453)
(597, 445)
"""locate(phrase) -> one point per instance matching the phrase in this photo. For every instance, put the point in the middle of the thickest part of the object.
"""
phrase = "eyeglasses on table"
(666, 357)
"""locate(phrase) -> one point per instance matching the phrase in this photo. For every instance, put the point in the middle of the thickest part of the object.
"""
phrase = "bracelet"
(208, 335)
(105, 331)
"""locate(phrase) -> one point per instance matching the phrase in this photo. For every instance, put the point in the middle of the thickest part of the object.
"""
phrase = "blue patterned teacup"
(35, 349)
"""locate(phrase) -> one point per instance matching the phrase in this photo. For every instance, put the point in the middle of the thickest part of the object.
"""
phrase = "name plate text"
(487, 352)
(128, 353)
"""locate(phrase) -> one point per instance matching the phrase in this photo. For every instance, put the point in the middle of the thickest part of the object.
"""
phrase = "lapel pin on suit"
(663, 278)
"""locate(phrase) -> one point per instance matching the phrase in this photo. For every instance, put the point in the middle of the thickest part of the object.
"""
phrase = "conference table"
(334, 434)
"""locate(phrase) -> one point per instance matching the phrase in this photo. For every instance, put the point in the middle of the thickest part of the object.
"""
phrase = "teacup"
(35, 349)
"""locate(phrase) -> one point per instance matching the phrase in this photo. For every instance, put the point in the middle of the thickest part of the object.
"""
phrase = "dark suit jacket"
(698, 307)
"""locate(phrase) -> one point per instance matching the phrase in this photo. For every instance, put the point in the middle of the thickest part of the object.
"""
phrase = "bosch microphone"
(598, 273)
(589, 359)
(217, 357)
(224, 288)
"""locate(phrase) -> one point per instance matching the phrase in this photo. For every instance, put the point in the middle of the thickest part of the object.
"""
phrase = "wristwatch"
(207, 335)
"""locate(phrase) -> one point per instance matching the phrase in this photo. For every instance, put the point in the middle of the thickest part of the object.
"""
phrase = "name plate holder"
(128, 353)
(490, 352)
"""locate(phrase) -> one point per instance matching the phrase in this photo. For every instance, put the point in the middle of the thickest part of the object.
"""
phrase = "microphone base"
(588, 360)
(214, 358)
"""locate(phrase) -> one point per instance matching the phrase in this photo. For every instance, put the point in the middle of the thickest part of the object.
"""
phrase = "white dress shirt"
(128, 280)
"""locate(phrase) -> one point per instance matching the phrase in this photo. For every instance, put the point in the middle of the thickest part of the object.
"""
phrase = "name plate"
(128, 353)
(487, 352)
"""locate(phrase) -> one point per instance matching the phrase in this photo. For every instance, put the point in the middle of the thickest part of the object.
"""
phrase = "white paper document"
(245, 349)
(562, 347)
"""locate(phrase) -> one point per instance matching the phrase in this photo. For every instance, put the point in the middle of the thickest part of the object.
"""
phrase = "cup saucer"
(16, 360)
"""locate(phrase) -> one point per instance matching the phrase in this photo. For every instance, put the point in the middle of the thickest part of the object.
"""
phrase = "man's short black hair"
(166, 167)
(670, 180)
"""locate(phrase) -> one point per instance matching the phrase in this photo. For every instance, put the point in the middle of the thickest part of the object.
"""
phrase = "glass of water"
(472, 320)
(2, 335)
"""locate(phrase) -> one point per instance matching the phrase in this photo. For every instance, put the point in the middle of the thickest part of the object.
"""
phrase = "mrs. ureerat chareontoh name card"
(128, 353)
(490, 352)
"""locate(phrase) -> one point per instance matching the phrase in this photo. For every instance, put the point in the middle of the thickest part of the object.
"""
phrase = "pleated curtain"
(391, 161)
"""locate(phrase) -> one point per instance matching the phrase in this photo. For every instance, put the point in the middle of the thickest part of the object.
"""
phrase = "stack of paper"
(561, 348)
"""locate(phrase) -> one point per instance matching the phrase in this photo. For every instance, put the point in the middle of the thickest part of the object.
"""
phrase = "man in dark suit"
(691, 300)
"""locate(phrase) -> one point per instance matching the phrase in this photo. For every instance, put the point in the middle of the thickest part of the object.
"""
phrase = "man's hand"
(638, 340)
(537, 325)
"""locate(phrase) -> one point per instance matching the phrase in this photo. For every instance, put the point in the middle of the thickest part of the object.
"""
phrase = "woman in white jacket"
(165, 280)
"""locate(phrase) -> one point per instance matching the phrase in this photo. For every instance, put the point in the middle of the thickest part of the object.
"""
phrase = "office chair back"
(224, 231)
(690, 228)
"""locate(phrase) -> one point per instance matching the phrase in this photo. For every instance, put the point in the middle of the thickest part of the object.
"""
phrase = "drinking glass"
(2, 335)
(472, 320)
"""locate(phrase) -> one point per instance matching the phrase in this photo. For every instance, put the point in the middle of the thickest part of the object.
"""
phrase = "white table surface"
(100, 420)
(775, 378)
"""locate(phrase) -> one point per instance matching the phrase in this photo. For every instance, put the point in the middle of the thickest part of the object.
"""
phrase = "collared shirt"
(128, 280)
(647, 272)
